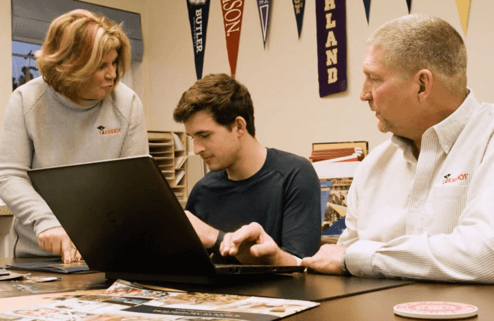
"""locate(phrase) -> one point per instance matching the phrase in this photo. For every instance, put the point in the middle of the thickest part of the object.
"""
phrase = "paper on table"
(178, 176)
(178, 143)
(329, 169)
(179, 161)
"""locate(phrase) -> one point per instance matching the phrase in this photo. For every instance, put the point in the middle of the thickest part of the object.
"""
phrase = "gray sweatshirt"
(43, 128)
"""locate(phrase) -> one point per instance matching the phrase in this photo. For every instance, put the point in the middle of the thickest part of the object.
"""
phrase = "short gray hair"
(419, 41)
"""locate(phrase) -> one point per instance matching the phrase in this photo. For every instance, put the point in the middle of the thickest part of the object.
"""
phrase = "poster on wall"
(299, 7)
(198, 19)
(331, 46)
(233, 12)
(264, 7)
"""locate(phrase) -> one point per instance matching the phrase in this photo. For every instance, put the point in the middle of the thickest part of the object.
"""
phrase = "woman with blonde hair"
(77, 112)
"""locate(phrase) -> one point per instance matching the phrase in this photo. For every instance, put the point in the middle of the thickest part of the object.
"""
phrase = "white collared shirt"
(431, 218)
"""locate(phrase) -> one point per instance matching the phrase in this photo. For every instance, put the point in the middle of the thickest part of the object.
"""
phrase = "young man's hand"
(56, 241)
(252, 245)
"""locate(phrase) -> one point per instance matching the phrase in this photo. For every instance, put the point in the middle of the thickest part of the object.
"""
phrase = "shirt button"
(416, 204)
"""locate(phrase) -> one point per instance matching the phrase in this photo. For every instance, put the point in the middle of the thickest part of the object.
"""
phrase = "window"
(30, 22)
(23, 64)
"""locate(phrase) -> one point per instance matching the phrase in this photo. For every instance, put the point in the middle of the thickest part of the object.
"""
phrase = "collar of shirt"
(450, 128)
(85, 105)
(447, 131)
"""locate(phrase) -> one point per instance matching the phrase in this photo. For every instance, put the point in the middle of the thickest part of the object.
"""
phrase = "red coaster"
(435, 310)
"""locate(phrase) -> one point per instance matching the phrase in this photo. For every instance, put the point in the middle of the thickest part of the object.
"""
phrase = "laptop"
(125, 220)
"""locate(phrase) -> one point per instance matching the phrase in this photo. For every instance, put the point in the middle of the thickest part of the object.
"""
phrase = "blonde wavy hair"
(75, 44)
(419, 41)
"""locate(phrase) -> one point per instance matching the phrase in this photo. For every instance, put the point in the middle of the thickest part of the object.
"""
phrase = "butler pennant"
(331, 46)
(198, 18)
(233, 11)
(264, 7)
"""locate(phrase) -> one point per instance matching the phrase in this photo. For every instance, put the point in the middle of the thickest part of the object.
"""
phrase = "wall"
(282, 78)
(5, 56)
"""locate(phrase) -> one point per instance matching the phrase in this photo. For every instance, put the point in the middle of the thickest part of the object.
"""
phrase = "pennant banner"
(233, 12)
(463, 10)
(299, 7)
(367, 9)
(409, 4)
(331, 46)
(264, 7)
(198, 19)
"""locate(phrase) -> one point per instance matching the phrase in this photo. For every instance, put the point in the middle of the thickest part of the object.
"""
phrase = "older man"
(421, 204)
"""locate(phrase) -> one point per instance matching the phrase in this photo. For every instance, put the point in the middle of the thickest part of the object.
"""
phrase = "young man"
(420, 205)
(247, 182)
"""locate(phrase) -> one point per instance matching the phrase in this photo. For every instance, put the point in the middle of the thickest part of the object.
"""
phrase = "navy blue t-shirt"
(283, 197)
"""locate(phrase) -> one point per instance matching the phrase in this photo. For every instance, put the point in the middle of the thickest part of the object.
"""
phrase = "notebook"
(125, 220)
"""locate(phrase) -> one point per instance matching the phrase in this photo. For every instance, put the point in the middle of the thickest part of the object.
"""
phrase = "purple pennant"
(331, 46)
(198, 19)
(367, 4)
(264, 10)
(299, 7)
(409, 4)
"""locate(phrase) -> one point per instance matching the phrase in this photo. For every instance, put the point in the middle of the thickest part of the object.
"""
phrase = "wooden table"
(69, 282)
(378, 306)
(4, 211)
(369, 306)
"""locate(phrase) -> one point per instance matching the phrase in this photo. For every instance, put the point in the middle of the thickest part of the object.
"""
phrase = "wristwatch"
(216, 247)
(343, 265)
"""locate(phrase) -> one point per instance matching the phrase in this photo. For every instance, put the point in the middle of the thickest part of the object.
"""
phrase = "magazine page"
(51, 266)
(127, 301)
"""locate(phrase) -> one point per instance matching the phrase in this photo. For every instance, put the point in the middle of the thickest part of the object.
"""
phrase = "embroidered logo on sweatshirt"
(103, 131)
(449, 179)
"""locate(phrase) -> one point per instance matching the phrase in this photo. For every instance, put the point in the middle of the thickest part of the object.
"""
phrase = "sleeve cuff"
(299, 260)
(358, 258)
(46, 224)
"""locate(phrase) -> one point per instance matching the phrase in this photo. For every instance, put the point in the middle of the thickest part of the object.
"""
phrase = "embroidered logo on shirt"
(103, 131)
(449, 179)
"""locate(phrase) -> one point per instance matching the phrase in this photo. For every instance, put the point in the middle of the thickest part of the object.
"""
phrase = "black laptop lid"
(123, 217)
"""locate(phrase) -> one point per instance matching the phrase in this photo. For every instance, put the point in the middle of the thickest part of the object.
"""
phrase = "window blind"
(31, 19)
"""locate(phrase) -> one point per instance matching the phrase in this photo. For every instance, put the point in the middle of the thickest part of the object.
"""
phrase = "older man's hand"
(327, 260)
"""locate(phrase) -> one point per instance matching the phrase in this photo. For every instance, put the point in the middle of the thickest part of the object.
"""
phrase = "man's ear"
(240, 125)
(425, 80)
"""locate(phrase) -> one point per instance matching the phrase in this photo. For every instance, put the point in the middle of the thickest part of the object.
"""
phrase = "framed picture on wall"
(335, 164)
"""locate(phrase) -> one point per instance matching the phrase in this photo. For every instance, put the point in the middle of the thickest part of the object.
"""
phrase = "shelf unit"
(169, 149)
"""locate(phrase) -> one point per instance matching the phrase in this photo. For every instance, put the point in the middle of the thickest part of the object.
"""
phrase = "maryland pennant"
(331, 46)
(233, 11)
(409, 4)
(463, 10)
(198, 19)
(299, 7)
(264, 7)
